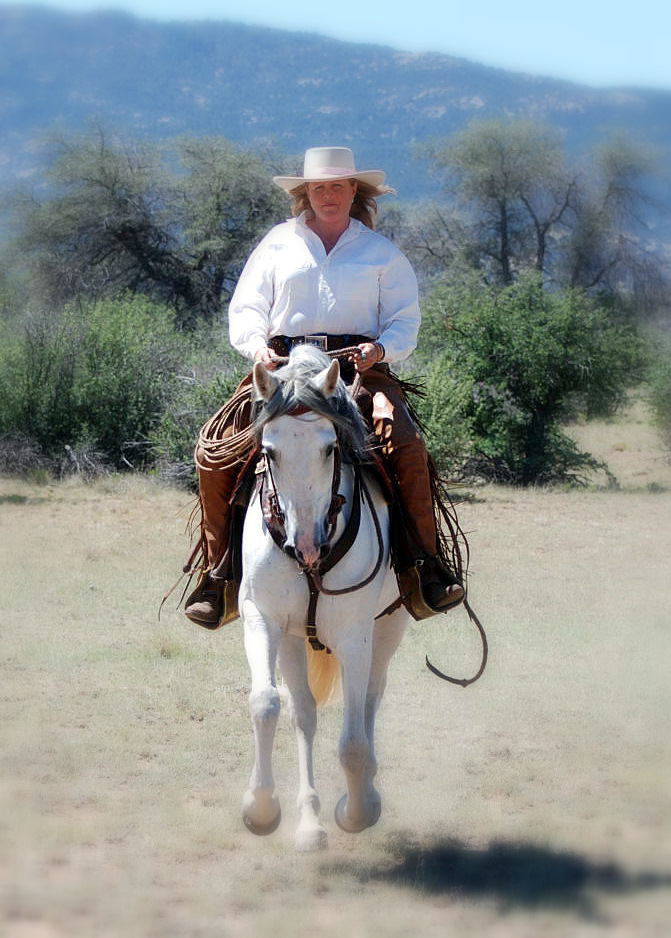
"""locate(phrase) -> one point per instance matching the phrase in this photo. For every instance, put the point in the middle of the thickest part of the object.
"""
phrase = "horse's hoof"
(262, 830)
(309, 841)
(346, 825)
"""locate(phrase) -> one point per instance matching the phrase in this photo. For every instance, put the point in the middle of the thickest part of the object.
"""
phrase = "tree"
(433, 236)
(520, 361)
(513, 178)
(606, 249)
(226, 204)
(126, 217)
(8, 293)
(524, 207)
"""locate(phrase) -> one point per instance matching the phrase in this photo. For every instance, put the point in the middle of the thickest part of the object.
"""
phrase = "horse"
(313, 443)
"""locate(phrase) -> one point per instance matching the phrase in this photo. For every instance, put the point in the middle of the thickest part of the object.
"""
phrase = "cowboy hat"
(322, 164)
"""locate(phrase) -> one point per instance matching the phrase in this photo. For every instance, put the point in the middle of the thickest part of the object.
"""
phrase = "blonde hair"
(364, 206)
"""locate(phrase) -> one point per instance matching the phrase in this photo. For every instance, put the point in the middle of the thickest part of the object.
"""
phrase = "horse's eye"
(329, 450)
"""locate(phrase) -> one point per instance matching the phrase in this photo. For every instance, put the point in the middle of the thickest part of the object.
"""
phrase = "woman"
(325, 276)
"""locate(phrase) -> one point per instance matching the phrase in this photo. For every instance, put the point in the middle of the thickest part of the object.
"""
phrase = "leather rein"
(274, 518)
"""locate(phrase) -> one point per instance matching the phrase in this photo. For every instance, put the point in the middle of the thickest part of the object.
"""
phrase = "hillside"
(289, 90)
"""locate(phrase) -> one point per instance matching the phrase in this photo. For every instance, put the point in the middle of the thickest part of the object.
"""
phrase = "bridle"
(275, 522)
(273, 514)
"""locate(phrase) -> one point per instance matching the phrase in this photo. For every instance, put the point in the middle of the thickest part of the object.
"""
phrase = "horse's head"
(307, 423)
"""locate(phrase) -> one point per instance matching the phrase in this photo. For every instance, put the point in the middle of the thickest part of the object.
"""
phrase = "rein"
(465, 681)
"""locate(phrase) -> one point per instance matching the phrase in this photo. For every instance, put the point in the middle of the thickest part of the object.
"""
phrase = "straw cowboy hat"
(322, 164)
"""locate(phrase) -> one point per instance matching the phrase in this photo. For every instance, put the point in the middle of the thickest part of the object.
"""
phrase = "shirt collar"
(349, 234)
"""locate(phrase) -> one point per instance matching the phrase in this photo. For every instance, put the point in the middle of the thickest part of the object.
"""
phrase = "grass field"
(534, 803)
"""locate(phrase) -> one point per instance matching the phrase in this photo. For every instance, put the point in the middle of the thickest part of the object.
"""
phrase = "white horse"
(311, 436)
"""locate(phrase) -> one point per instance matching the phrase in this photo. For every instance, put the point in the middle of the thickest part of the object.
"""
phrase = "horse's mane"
(297, 390)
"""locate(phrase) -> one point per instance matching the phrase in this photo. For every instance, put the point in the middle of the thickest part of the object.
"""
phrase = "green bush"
(38, 368)
(518, 362)
(98, 377)
(129, 359)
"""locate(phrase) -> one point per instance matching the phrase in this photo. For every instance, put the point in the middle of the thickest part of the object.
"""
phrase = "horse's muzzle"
(308, 558)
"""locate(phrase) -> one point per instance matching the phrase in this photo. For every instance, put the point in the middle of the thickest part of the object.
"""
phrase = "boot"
(440, 587)
(205, 605)
(405, 453)
(213, 603)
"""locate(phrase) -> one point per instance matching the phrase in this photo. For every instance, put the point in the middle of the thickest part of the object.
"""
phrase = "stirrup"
(413, 598)
(230, 602)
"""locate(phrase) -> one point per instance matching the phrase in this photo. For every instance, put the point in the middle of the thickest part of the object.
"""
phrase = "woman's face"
(331, 201)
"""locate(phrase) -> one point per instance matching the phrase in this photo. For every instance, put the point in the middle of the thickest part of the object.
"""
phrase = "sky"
(593, 42)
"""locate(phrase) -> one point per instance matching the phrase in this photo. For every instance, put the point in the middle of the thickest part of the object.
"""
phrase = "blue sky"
(589, 41)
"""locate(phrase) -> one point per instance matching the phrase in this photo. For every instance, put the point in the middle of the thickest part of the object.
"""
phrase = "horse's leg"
(260, 807)
(310, 834)
(356, 810)
(388, 634)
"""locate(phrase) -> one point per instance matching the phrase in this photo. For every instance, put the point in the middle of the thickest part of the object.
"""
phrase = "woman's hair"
(364, 206)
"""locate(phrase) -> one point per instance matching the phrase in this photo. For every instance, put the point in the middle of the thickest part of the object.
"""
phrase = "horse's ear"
(327, 380)
(265, 384)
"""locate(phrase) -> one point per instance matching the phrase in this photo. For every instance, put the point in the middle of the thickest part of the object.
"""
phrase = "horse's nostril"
(324, 551)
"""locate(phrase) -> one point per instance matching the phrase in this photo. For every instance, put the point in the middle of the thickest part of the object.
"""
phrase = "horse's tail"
(323, 675)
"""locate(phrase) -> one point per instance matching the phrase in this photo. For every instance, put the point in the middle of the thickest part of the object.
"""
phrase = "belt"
(283, 344)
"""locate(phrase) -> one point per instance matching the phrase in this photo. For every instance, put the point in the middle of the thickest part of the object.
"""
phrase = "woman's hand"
(367, 355)
(268, 357)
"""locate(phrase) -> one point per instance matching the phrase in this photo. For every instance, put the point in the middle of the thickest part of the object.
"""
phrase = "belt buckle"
(319, 341)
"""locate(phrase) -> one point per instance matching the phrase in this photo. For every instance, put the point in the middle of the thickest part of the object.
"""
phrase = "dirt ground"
(535, 802)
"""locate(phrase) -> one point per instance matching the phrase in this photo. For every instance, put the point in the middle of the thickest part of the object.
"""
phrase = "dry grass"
(629, 445)
(534, 802)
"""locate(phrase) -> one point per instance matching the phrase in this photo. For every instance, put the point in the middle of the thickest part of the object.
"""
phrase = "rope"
(223, 453)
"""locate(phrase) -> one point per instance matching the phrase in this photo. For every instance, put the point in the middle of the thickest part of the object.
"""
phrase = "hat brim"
(374, 177)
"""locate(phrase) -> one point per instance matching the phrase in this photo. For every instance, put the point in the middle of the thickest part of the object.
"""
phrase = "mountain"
(293, 90)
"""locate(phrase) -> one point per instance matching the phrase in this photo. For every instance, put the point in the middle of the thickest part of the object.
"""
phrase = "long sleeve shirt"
(291, 286)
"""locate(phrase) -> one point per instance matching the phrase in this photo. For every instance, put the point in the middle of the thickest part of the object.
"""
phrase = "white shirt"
(291, 286)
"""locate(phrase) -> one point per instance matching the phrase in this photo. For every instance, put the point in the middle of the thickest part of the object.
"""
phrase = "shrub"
(84, 461)
(38, 364)
(21, 455)
(519, 362)
(97, 377)
(129, 360)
